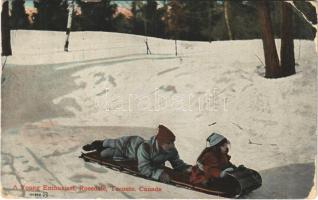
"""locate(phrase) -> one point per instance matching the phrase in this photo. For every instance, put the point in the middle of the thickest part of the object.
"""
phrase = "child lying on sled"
(213, 162)
(150, 154)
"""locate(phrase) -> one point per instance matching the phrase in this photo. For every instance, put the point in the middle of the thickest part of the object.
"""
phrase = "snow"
(53, 102)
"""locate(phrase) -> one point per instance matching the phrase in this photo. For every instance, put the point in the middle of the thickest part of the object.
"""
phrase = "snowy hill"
(53, 102)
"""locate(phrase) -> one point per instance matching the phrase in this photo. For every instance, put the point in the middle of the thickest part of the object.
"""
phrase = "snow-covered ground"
(53, 102)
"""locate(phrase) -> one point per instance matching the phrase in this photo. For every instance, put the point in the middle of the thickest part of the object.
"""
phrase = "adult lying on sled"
(150, 154)
(213, 162)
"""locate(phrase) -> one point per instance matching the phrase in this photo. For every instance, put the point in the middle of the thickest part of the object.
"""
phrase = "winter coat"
(151, 159)
(209, 166)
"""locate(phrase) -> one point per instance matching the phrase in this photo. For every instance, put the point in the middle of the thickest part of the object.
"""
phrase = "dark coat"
(209, 166)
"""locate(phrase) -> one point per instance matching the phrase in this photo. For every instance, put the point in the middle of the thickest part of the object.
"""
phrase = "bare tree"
(287, 54)
(272, 68)
(146, 34)
(5, 30)
(69, 23)
(227, 19)
(175, 20)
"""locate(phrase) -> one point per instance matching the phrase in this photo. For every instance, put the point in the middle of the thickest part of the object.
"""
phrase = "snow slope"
(53, 102)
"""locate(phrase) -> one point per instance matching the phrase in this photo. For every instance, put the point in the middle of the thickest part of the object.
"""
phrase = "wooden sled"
(236, 184)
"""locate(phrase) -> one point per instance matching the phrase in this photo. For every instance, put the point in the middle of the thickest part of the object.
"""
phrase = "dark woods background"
(203, 20)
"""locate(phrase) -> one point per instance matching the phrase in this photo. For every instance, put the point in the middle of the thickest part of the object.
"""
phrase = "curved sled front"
(228, 187)
(247, 180)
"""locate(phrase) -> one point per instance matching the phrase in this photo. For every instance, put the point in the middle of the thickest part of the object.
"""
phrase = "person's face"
(225, 148)
(168, 146)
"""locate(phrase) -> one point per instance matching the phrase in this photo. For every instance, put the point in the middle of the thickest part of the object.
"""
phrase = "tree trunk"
(315, 5)
(5, 30)
(176, 47)
(226, 16)
(69, 23)
(287, 55)
(272, 68)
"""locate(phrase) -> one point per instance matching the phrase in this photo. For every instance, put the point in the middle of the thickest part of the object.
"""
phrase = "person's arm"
(197, 176)
(230, 163)
(211, 166)
(144, 163)
(177, 163)
(212, 172)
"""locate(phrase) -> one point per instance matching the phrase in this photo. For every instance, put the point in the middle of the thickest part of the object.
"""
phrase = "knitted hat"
(215, 139)
(164, 135)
